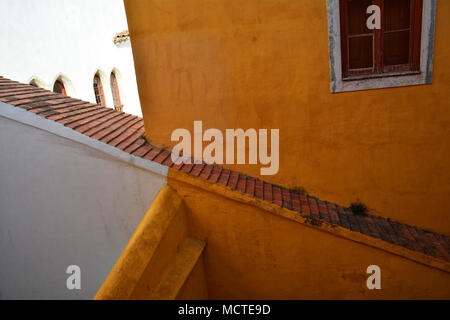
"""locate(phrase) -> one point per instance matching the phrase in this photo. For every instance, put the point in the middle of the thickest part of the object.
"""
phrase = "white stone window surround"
(424, 76)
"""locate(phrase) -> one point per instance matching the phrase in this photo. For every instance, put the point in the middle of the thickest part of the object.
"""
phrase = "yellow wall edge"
(135, 258)
(310, 221)
(185, 262)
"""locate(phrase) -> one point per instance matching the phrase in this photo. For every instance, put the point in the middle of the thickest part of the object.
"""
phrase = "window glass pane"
(396, 14)
(396, 48)
(115, 90)
(361, 52)
(357, 16)
(57, 89)
(98, 90)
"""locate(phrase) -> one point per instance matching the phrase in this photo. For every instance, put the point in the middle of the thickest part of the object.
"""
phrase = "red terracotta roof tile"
(179, 163)
(42, 106)
(122, 133)
(125, 132)
(187, 168)
(233, 181)
(268, 192)
(215, 174)
(106, 127)
(206, 172)
(153, 153)
(135, 145)
(109, 131)
(162, 156)
(250, 186)
(97, 123)
(224, 177)
(89, 119)
(241, 183)
(197, 170)
(168, 162)
(69, 114)
(131, 139)
(142, 151)
(259, 192)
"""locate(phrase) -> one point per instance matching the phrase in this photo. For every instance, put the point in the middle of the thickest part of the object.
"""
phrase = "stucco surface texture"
(63, 203)
(265, 64)
(254, 254)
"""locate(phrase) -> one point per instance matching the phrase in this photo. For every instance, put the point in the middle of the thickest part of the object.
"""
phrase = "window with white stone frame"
(399, 52)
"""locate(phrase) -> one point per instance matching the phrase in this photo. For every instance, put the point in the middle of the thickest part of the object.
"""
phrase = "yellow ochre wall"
(265, 64)
(251, 253)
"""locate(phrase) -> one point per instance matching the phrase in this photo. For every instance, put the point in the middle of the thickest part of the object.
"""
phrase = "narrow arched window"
(58, 87)
(115, 92)
(98, 89)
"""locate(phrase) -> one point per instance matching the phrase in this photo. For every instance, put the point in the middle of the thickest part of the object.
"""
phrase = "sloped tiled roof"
(121, 37)
(125, 131)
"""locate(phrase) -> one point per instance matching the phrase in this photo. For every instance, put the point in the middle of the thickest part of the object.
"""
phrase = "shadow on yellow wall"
(196, 242)
(265, 64)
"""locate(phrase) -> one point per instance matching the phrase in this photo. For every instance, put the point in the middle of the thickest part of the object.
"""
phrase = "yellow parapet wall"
(260, 251)
(257, 250)
(159, 257)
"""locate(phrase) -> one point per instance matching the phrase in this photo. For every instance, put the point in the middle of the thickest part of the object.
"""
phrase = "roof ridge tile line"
(153, 153)
(386, 236)
(119, 138)
(338, 230)
(188, 166)
(168, 162)
(41, 106)
(100, 121)
(28, 118)
(72, 116)
(206, 173)
(59, 114)
(224, 177)
(50, 102)
(162, 156)
(106, 131)
(135, 145)
(90, 119)
(83, 116)
(60, 105)
(232, 182)
(104, 125)
(368, 224)
(31, 95)
(116, 131)
(179, 165)
(133, 132)
(146, 148)
(215, 174)
(405, 235)
(7, 82)
(4, 89)
(21, 102)
(197, 170)
(13, 86)
(65, 113)
(9, 93)
(131, 139)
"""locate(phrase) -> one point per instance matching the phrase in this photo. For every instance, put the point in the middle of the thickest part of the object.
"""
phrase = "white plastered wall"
(65, 199)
